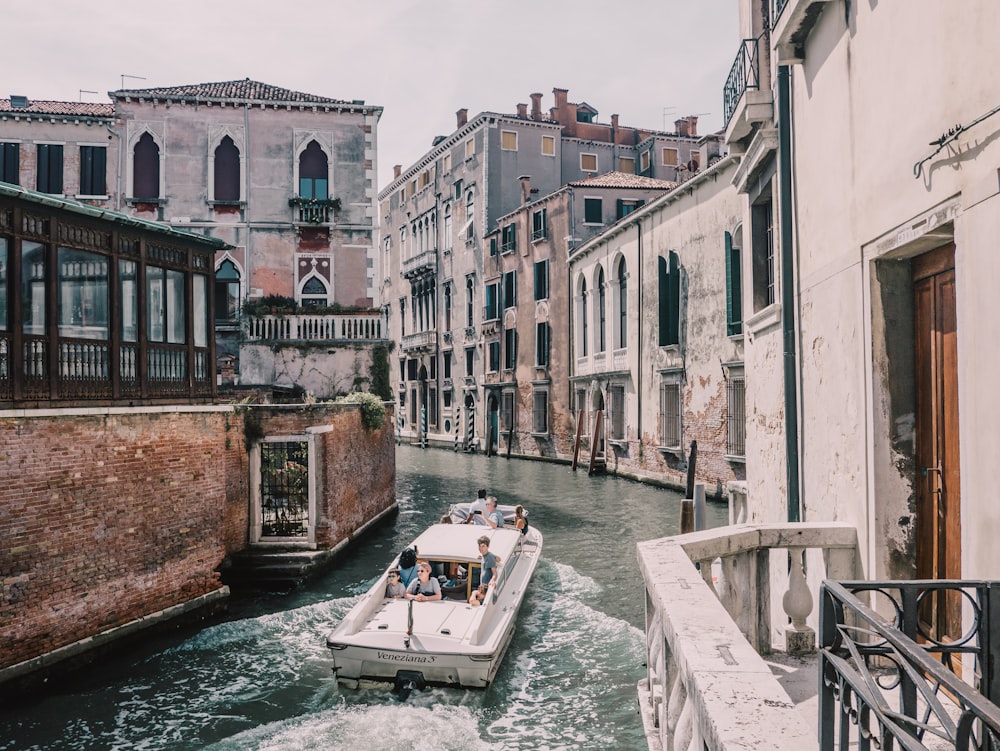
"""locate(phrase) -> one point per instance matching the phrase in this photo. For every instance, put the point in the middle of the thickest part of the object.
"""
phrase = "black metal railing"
(777, 6)
(893, 682)
(745, 74)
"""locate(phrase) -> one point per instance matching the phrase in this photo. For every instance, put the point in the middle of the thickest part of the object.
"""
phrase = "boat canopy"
(458, 542)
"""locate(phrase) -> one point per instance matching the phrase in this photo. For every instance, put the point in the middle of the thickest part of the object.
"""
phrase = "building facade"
(656, 338)
(286, 179)
(526, 328)
(436, 216)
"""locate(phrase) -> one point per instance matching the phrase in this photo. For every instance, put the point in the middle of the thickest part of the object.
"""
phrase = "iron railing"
(745, 74)
(777, 6)
(864, 657)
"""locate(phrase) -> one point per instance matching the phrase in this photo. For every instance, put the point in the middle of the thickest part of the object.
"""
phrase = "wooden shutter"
(734, 297)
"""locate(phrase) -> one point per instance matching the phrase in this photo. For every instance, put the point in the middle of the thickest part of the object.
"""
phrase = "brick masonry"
(111, 515)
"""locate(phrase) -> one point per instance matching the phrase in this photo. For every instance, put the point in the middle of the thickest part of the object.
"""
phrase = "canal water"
(261, 680)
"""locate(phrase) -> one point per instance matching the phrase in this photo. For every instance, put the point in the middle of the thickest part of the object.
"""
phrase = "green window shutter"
(663, 280)
(734, 302)
(674, 299)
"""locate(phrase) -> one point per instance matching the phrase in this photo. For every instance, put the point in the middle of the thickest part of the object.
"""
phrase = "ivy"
(372, 408)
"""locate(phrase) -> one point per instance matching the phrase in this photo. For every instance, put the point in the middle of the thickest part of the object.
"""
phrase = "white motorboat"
(448, 641)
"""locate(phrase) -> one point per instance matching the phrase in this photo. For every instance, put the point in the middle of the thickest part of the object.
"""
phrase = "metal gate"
(284, 489)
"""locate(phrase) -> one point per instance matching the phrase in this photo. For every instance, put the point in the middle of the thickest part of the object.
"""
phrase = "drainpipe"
(788, 293)
(638, 377)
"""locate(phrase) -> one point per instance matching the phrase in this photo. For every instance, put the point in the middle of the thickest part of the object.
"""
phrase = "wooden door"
(939, 553)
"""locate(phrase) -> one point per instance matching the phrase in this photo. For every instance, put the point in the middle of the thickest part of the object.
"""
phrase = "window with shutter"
(10, 163)
(93, 171)
(593, 210)
(49, 177)
(734, 291)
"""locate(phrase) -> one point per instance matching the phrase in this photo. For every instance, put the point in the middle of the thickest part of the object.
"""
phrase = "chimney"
(681, 127)
(692, 125)
(560, 96)
(525, 188)
(522, 111)
(536, 106)
(397, 170)
(614, 129)
(462, 117)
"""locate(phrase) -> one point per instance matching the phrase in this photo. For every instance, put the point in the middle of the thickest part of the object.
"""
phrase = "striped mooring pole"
(458, 422)
(470, 429)
(423, 426)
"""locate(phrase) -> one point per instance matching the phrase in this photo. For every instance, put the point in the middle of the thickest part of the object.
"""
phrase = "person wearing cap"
(394, 587)
(494, 518)
(424, 588)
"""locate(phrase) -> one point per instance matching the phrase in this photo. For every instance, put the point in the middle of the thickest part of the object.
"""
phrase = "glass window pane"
(3, 283)
(83, 294)
(200, 310)
(320, 189)
(175, 307)
(129, 295)
(33, 287)
(155, 305)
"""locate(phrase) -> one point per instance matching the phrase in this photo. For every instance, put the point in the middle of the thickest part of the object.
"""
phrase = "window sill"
(89, 197)
(736, 459)
(227, 203)
(149, 201)
(544, 434)
(764, 319)
(618, 443)
(672, 450)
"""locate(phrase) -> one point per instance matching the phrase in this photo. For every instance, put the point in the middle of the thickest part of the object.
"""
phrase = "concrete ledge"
(49, 660)
(732, 697)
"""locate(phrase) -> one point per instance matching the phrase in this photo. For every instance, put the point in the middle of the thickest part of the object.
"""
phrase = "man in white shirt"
(477, 509)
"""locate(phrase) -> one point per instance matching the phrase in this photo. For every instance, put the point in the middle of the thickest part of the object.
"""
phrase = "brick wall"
(110, 515)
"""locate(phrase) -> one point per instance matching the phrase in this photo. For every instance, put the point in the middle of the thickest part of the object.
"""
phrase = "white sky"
(421, 60)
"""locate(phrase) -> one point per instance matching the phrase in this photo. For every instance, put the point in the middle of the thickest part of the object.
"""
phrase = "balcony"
(423, 264)
(272, 328)
(423, 341)
(724, 671)
(791, 22)
(746, 97)
(314, 210)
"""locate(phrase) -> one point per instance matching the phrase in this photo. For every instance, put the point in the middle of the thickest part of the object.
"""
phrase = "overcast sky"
(421, 60)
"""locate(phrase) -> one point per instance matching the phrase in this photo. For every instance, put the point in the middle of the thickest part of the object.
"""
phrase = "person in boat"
(520, 520)
(489, 561)
(477, 509)
(494, 517)
(394, 587)
(479, 596)
(408, 566)
(424, 588)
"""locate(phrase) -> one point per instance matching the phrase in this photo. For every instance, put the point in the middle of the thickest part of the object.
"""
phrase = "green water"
(261, 681)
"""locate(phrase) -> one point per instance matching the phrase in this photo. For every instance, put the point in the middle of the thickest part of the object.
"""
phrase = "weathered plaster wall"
(326, 371)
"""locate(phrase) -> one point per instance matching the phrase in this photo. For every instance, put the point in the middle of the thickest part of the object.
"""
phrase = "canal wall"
(117, 518)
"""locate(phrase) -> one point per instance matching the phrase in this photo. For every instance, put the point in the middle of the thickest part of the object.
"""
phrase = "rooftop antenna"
(126, 75)
(666, 111)
(86, 91)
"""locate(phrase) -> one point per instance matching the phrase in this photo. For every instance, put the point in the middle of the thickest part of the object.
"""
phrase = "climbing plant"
(372, 408)
(380, 372)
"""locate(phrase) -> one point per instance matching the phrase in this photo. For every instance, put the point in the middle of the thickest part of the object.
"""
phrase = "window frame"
(587, 213)
(44, 155)
(551, 140)
(93, 170)
(588, 155)
(539, 224)
(671, 414)
(540, 414)
(505, 137)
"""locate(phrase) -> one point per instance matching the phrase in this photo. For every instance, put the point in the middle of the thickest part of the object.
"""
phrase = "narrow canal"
(261, 680)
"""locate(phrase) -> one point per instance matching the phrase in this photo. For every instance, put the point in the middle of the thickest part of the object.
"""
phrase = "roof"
(242, 90)
(54, 108)
(44, 199)
(623, 180)
(459, 541)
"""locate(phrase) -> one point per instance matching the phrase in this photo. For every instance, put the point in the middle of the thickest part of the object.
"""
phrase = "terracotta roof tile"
(243, 90)
(623, 180)
(68, 109)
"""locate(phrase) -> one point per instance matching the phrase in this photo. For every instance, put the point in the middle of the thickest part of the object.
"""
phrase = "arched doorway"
(492, 425)
(597, 406)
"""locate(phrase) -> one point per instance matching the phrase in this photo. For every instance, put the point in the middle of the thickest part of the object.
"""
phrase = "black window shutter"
(734, 301)
(663, 280)
(674, 299)
(620, 209)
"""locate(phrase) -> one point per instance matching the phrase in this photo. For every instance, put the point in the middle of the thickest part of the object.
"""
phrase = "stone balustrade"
(709, 617)
(364, 326)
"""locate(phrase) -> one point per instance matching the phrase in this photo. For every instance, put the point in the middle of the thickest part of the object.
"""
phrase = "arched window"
(468, 302)
(313, 173)
(146, 168)
(583, 318)
(447, 307)
(227, 171)
(227, 291)
(601, 312)
(622, 304)
(314, 293)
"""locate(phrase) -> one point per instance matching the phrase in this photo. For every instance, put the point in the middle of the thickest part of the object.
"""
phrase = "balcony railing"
(776, 7)
(420, 340)
(864, 654)
(312, 327)
(745, 74)
(420, 265)
(713, 606)
(314, 210)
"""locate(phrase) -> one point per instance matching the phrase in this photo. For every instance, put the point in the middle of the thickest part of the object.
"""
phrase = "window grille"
(540, 412)
(284, 469)
(670, 415)
(736, 417)
(617, 413)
